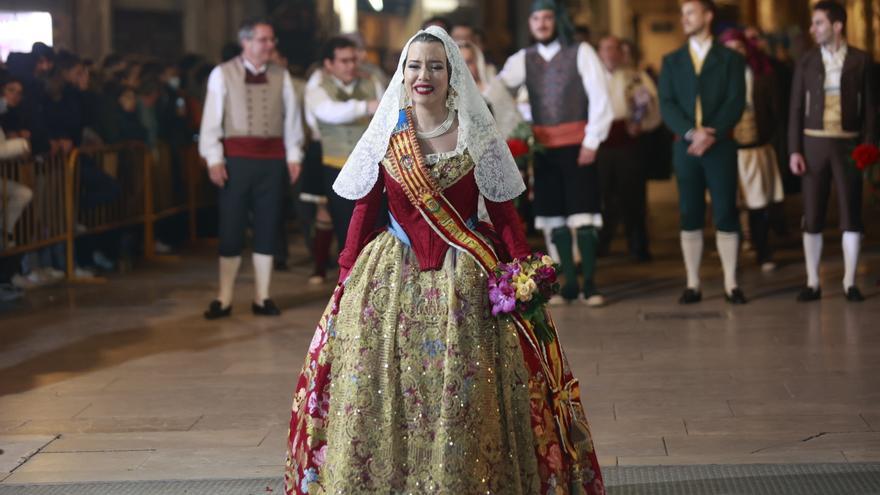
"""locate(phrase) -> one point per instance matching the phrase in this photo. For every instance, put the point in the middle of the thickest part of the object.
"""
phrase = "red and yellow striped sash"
(423, 192)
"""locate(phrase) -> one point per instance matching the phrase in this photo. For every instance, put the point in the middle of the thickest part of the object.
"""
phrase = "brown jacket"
(857, 97)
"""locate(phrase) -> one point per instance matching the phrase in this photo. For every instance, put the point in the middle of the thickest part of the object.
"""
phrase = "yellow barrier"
(145, 178)
(42, 223)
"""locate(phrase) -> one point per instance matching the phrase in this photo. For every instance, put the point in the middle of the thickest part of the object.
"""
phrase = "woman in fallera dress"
(410, 384)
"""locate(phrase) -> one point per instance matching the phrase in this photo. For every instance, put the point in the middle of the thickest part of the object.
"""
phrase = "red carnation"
(518, 147)
(865, 155)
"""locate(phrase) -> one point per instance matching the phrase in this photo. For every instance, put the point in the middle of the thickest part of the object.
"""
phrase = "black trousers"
(562, 188)
(254, 186)
(827, 161)
(340, 208)
(624, 187)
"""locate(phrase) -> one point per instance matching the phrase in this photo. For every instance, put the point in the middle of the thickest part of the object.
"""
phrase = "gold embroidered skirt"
(412, 386)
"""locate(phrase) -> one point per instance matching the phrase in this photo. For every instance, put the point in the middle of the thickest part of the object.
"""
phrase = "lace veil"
(496, 172)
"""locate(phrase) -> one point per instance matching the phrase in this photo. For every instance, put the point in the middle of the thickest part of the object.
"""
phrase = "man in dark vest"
(702, 97)
(252, 138)
(571, 116)
(833, 108)
(340, 101)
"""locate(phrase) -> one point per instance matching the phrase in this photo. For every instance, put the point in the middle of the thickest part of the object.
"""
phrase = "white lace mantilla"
(496, 173)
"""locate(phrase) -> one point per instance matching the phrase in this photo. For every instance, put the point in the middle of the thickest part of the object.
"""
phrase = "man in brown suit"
(832, 110)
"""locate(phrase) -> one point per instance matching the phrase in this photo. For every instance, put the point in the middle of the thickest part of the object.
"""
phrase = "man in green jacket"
(702, 97)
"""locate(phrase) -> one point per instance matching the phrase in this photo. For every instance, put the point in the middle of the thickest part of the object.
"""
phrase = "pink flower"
(320, 456)
(316, 341)
(554, 458)
(318, 408)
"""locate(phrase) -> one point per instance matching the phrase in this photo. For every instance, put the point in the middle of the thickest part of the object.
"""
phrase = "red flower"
(518, 147)
(865, 155)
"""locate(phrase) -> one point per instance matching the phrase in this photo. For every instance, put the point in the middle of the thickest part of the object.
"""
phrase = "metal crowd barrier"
(140, 191)
(43, 221)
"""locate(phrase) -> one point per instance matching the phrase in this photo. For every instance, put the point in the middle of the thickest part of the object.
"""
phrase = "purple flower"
(501, 295)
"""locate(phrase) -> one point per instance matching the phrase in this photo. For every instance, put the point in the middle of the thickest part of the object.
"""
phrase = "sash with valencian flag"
(423, 192)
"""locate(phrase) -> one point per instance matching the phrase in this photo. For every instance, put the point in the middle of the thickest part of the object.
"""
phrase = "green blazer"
(721, 86)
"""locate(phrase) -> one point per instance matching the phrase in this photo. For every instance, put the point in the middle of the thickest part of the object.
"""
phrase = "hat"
(564, 26)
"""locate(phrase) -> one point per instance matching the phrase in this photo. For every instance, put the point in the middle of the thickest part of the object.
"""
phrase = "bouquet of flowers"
(525, 285)
(522, 142)
(867, 160)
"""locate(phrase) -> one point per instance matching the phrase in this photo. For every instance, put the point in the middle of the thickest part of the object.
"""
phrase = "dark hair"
(634, 51)
(200, 76)
(42, 50)
(479, 33)
(247, 27)
(430, 38)
(426, 38)
(66, 61)
(464, 24)
(707, 4)
(834, 11)
(328, 51)
(6, 80)
(151, 69)
(230, 50)
(21, 64)
(111, 60)
(438, 20)
(117, 90)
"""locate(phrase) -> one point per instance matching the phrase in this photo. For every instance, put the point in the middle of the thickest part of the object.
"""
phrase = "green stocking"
(588, 242)
(561, 238)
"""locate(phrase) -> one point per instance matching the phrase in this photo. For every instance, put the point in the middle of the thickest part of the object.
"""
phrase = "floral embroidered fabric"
(445, 168)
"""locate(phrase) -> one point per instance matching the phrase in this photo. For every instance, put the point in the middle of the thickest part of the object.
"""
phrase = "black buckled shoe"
(736, 296)
(853, 294)
(216, 310)
(690, 296)
(808, 294)
(267, 309)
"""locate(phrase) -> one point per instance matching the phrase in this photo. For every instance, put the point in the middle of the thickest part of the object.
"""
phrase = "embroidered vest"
(339, 140)
(556, 91)
(252, 109)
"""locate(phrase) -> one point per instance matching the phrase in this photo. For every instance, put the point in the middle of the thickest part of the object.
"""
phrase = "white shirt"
(593, 76)
(320, 107)
(618, 81)
(833, 62)
(211, 133)
(700, 47)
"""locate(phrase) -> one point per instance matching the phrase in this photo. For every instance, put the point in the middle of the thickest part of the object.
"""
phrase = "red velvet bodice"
(429, 248)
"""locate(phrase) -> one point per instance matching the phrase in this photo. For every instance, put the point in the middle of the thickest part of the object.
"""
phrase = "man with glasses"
(252, 138)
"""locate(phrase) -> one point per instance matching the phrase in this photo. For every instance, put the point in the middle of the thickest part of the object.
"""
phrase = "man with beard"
(702, 97)
(571, 116)
(833, 108)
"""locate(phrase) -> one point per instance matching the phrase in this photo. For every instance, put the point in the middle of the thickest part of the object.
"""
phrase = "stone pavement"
(126, 381)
